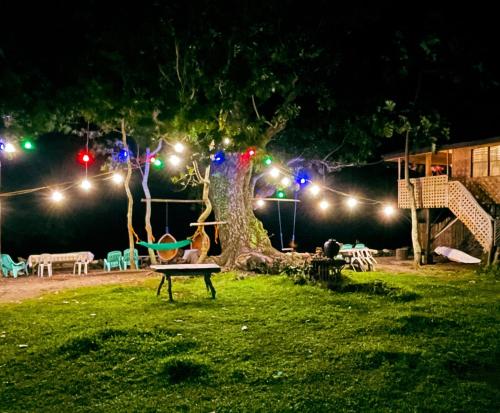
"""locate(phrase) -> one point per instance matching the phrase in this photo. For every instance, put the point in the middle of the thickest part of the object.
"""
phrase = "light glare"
(286, 181)
(352, 202)
(274, 172)
(389, 210)
(10, 148)
(315, 190)
(86, 185)
(56, 196)
(175, 160)
(179, 147)
(324, 204)
(260, 203)
(117, 178)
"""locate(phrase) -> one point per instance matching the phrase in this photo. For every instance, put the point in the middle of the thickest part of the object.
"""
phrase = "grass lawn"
(265, 345)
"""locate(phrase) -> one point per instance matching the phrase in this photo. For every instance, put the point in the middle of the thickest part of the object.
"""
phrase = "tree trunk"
(232, 199)
(130, 199)
(204, 215)
(417, 249)
(147, 217)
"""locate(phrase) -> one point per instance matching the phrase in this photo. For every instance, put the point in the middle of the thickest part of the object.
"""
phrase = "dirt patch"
(391, 264)
(15, 290)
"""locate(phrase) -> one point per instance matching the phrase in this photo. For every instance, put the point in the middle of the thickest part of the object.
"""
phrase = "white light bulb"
(117, 178)
(175, 160)
(226, 141)
(352, 202)
(86, 185)
(56, 196)
(10, 148)
(324, 204)
(260, 203)
(274, 172)
(286, 181)
(315, 189)
(179, 147)
(389, 210)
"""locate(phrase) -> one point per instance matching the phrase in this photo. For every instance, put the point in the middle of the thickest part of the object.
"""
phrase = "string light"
(174, 160)
(324, 204)
(56, 196)
(179, 147)
(123, 155)
(219, 157)
(86, 185)
(260, 203)
(286, 181)
(28, 145)
(2, 146)
(117, 178)
(226, 141)
(352, 202)
(315, 190)
(389, 210)
(280, 194)
(84, 157)
(9, 148)
(268, 160)
(274, 172)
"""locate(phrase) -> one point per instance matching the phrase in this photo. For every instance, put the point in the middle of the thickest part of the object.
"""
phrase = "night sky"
(465, 93)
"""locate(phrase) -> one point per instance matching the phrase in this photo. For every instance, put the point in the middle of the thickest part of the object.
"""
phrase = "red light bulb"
(85, 158)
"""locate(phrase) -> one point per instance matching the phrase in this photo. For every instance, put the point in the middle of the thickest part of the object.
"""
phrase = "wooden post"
(428, 164)
(399, 169)
(428, 252)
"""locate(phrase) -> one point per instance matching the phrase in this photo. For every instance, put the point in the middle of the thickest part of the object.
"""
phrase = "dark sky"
(464, 89)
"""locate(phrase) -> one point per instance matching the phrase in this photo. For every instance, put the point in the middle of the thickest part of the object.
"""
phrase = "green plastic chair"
(114, 259)
(8, 265)
(360, 246)
(126, 258)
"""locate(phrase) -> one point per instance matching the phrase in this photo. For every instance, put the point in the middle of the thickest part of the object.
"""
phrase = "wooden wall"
(461, 163)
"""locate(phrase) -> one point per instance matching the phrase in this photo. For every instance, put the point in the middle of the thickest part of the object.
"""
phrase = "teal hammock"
(167, 246)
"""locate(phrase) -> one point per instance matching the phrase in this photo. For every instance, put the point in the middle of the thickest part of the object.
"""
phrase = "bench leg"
(161, 285)
(208, 283)
(169, 278)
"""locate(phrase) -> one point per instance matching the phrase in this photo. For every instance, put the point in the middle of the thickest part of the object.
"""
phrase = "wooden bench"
(184, 270)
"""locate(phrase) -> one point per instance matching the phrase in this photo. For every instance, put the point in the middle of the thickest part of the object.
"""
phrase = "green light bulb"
(28, 145)
(280, 194)
(268, 160)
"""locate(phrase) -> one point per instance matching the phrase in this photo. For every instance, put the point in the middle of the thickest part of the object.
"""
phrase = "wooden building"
(457, 190)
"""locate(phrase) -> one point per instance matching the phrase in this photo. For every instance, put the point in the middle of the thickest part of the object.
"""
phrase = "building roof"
(437, 148)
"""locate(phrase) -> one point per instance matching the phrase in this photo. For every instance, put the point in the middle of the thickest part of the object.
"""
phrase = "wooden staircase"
(465, 207)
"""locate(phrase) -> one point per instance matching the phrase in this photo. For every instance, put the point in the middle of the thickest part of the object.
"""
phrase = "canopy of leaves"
(305, 79)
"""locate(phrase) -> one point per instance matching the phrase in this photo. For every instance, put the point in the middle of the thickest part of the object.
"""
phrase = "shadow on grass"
(415, 324)
(343, 284)
(178, 369)
(124, 340)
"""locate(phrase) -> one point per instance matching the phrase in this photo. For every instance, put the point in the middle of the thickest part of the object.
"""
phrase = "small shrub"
(492, 270)
(177, 369)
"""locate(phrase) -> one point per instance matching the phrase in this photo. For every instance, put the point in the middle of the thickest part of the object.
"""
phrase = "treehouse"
(457, 194)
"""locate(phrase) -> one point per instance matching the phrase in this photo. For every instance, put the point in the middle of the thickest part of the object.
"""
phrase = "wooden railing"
(438, 192)
(430, 192)
(465, 207)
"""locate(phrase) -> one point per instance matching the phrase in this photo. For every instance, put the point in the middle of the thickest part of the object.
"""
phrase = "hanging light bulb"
(9, 148)
(280, 194)
(286, 181)
(57, 196)
(268, 160)
(117, 178)
(27, 145)
(274, 172)
(389, 210)
(179, 147)
(260, 203)
(352, 202)
(324, 205)
(86, 185)
(174, 160)
(315, 189)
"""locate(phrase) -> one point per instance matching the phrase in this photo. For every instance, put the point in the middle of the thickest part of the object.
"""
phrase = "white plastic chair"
(45, 261)
(81, 260)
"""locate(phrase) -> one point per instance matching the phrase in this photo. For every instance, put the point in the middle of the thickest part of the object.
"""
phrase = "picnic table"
(33, 260)
(184, 270)
(360, 258)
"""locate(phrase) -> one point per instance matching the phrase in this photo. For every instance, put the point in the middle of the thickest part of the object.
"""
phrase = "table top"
(60, 257)
(187, 268)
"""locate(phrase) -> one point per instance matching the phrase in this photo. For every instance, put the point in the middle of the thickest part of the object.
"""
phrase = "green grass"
(305, 349)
